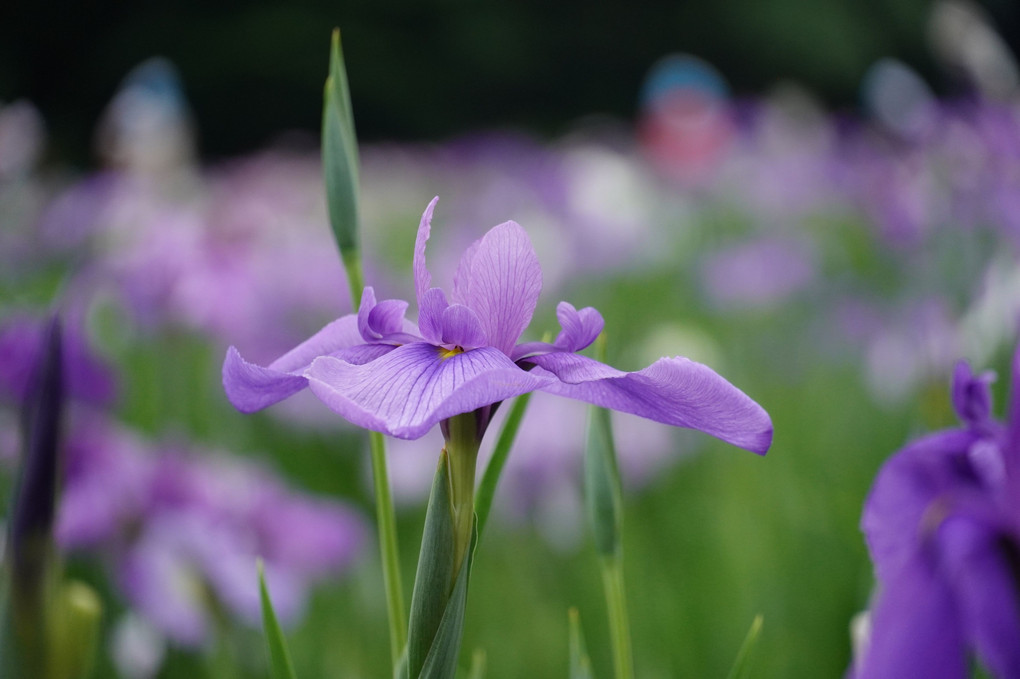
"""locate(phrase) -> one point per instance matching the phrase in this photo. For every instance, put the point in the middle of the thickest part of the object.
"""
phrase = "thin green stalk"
(387, 526)
(384, 513)
(462, 449)
(616, 601)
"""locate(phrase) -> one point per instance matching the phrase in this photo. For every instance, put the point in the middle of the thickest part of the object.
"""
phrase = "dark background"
(424, 69)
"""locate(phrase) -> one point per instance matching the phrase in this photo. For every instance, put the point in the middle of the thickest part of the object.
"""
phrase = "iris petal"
(409, 390)
(500, 279)
(674, 391)
(251, 387)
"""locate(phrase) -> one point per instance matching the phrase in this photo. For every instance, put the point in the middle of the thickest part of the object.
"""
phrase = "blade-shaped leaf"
(580, 664)
(74, 630)
(276, 644)
(434, 576)
(340, 155)
(742, 665)
(487, 487)
(602, 483)
(441, 662)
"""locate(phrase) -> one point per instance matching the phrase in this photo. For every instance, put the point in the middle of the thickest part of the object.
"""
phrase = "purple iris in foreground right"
(464, 355)
(942, 524)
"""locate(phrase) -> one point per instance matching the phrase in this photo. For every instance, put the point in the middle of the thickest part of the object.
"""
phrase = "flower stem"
(462, 448)
(384, 513)
(616, 602)
(387, 526)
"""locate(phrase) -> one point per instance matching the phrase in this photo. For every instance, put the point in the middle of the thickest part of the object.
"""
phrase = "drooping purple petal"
(674, 391)
(500, 279)
(915, 630)
(580, 328)
(422, 278)
(409, 390)
(977, 555)
(251, 387)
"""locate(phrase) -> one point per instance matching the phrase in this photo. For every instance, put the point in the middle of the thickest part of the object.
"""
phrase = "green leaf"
(477, 670)
(434, 577)
(580, 664)
(279, 657)
(340, 156)
(441, 662)
(487, 486)
(742, 665)
(74, 630)
(602, 483)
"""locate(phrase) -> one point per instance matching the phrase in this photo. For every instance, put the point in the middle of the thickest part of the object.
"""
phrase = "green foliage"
(602, 492)
(580, 663)
(439, 597)
(340, 157)
(742, 665)
(276, 644)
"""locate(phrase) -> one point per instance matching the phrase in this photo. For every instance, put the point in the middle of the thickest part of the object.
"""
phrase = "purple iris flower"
(384, 373)
(943, 526)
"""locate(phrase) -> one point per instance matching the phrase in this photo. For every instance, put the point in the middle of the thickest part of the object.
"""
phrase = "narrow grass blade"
(742, 665)
(580, 664)
(279, 657)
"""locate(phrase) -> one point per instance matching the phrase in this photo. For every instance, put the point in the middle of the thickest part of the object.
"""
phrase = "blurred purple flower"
(186, 530)
(86, 377)
(759, 273)
(942, 524)
(383, 373)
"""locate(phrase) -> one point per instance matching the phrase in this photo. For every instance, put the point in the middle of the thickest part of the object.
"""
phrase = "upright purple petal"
(972, 395)
(422, 278)
(409, 390)
(379, 320)
(431, 305)
(500, 279)
(462, 327)
(387, 318)
(580, 328)
(364, 310)
(904, 495)
(674, 391)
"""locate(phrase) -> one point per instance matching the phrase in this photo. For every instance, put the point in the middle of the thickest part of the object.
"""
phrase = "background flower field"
(832, 257)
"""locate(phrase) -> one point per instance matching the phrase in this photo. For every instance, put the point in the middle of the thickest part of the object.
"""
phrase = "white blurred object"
(993, 319)
(897, 97)
(136, 647)
(860, 635)
(22, 135)
(147, 127)
(962, 35)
